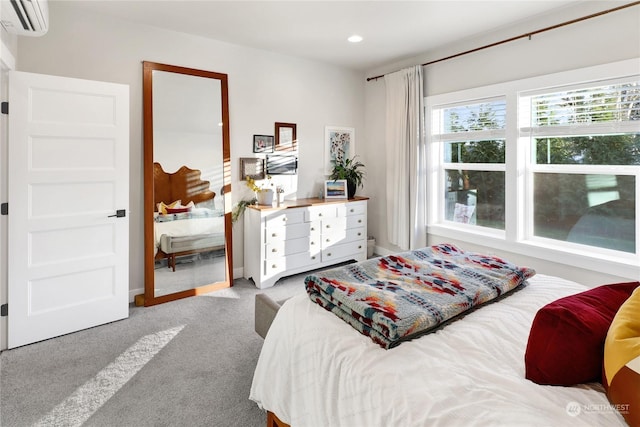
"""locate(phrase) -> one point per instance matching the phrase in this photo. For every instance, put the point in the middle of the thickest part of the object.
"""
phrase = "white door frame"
(7, 63)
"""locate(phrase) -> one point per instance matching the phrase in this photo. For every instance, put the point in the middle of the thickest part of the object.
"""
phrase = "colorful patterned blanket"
(399, 297)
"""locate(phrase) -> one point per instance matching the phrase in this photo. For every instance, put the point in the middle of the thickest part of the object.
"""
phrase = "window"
(546, 166)
(585, 144)
(473, 146)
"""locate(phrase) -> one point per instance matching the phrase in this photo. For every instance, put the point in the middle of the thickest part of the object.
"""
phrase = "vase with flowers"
(263, 195)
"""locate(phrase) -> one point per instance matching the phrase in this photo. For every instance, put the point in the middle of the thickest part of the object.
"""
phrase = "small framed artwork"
(281, 165)
(339, 145)
(263, 143)
(286, 137)
(251, 167)
(335, 189)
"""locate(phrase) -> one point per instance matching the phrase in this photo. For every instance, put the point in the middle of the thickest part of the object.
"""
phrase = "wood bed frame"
(273, 421)
(185, 185)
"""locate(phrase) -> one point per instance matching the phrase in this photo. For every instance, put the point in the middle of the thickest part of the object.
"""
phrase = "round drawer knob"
(359, 234)
(352, 211)
(274, 234)
(274, 266)
(274, 250)
(313, 257)
(329, 254)
(328, 240)
(328, 226)
(360, 247)
(359, 221)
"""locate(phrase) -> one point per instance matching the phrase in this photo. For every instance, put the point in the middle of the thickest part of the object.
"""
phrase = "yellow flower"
(251, 183)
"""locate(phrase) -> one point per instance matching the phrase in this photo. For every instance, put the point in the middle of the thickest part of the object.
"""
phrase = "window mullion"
(475, 166)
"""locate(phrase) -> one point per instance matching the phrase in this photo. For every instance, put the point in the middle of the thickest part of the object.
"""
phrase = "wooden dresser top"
(301, 203)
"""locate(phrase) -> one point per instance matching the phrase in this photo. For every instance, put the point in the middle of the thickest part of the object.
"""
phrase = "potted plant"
(351, 170)
(262, 196)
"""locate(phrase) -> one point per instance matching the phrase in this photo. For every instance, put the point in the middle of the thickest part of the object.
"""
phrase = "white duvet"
(188, 227)
(315, 370)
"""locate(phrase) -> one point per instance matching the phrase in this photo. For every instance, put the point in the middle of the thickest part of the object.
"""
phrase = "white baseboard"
(134, 292)
(379, 250)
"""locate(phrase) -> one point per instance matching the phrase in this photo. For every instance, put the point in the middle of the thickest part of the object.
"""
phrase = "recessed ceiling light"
(355, 38)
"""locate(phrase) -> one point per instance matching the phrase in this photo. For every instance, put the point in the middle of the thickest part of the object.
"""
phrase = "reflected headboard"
(184, 184)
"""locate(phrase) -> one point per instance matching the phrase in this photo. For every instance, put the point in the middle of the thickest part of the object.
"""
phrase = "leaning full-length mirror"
(186, 178)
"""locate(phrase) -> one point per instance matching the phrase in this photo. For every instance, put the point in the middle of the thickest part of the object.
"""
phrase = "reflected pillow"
(162, 207)
(622, 360)
(178, 210)
(566, 341)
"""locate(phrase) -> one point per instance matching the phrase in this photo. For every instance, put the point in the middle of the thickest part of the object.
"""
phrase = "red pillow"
(566, 342)
(178, 210)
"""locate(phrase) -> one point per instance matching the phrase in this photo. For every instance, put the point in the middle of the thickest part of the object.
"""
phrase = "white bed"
(184, 221)
(198, 221)
(316, 370)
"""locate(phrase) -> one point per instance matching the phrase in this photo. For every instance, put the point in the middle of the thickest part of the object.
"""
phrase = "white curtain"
(406, 159)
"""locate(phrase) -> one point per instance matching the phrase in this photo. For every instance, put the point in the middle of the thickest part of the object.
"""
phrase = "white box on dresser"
(302, 235)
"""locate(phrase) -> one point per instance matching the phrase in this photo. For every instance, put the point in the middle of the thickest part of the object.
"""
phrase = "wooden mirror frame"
(149, 297)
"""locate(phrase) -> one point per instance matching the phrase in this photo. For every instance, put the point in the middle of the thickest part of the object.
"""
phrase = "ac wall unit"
(25, 17)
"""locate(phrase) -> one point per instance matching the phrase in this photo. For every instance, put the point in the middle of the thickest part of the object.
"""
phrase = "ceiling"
(318, 30)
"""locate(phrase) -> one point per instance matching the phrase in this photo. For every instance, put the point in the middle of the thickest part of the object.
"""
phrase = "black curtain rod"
(521, 36)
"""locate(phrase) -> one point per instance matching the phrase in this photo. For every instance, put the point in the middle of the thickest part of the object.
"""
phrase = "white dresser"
(302, 235)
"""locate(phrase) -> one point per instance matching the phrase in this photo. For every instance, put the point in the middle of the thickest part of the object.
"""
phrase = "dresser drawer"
(343, 223)
(278, 232)
(287, 247)
(291, 262)
(347, 250)
(354, 221)
(316, 213)
(284, 217)
(333, 225)
(349, 235)
(352, 208)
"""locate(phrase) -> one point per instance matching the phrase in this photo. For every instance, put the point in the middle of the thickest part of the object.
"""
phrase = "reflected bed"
(184, 222)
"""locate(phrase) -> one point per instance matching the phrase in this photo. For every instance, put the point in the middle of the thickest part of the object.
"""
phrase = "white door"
(68, 252)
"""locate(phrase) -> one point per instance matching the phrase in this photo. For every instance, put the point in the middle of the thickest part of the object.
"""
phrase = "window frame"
(478, 135)
(517, 236)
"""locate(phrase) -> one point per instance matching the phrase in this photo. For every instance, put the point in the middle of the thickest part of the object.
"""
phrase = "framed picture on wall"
(251, 167)
(263, 143)
(339, 145)
(335, 189)
(277, 164)
(286, 137)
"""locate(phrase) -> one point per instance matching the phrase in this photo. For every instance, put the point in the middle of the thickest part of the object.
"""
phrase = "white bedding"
(315, 370)
(188, 226)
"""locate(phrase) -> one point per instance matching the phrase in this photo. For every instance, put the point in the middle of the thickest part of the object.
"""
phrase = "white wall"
(264, 88)
(608, 38)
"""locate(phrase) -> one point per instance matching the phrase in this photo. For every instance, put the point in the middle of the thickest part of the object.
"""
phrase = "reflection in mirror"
(187, 228)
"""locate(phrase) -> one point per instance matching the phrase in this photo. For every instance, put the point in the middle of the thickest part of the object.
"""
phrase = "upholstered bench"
(266, 309)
